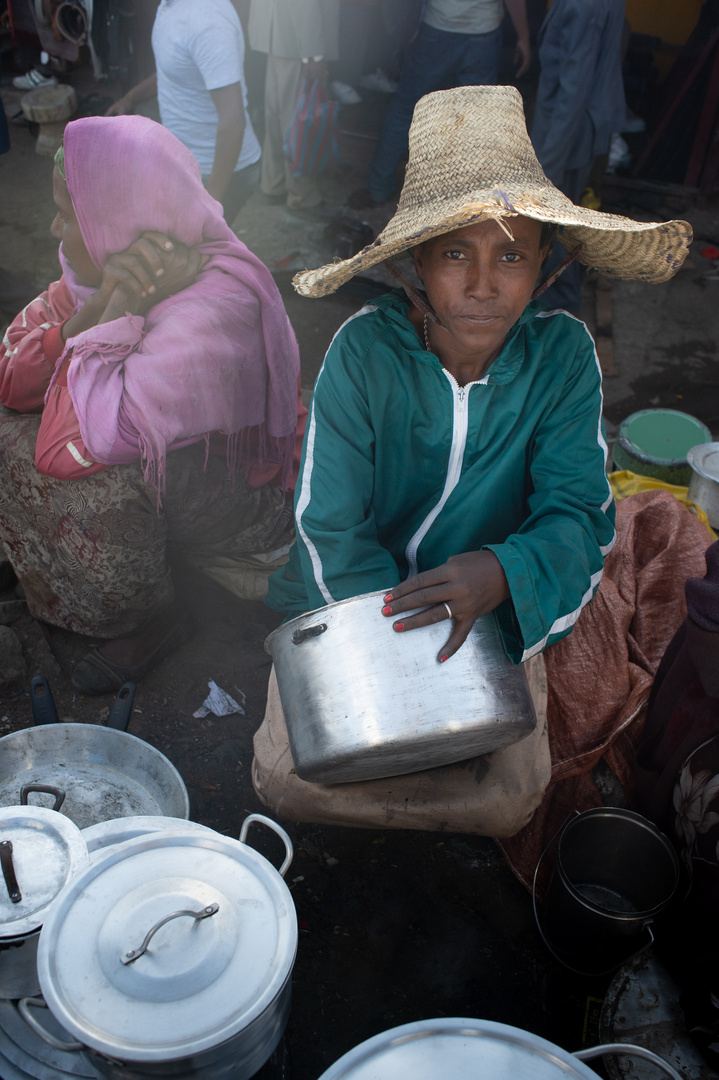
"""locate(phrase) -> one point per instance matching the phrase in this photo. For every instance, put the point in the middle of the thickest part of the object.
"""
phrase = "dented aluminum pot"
(362, 701)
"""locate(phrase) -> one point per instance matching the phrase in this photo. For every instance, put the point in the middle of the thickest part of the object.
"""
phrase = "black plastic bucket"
(614, 872)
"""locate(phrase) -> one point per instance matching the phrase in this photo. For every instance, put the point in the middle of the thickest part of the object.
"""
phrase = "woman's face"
(66, 229)
(479, 283)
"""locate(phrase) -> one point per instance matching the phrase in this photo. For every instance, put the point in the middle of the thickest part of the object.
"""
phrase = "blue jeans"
(435, 60)
(4, 133)
(242, 184)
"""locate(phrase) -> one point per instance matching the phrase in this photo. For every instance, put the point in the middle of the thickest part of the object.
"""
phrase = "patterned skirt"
(94, 555)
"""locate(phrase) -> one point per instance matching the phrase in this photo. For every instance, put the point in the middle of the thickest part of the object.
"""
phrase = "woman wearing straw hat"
(469, 431)
(454, 456)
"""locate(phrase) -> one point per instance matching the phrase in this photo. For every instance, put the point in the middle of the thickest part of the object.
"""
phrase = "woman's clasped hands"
(151, 269)
(462, 589)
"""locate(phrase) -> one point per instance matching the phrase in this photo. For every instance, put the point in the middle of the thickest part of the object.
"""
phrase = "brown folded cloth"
(492, 795)
(601, 675)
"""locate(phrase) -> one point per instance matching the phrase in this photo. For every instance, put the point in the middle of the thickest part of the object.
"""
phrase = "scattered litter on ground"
(219, 702)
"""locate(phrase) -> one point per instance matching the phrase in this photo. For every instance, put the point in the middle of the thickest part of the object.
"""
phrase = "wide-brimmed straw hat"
(470, 159)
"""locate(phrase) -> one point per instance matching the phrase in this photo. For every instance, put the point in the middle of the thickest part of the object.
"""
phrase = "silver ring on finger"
(449, 610)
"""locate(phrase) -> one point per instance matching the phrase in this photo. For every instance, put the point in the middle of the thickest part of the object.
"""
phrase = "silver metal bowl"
(704, 483)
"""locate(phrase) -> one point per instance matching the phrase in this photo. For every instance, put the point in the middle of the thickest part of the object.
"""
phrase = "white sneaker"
(33, 79)
(619, 156)
(633, 122)
(380, 81)
(346, 95)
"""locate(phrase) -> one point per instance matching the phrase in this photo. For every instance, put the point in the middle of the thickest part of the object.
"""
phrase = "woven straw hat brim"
(471, 160)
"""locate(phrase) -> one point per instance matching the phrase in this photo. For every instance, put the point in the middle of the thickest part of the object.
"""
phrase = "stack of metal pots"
(40, 852)
(168, 953)
(136, 945)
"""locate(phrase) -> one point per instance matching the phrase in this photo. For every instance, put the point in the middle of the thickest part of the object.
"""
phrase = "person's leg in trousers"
(242, 184)
(479, 65)
(431, 61)
(281, 89)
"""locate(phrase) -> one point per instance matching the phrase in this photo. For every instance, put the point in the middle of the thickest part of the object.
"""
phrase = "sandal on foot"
(97, 675)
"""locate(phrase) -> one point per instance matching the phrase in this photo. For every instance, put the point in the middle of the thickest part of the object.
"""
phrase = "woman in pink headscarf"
(157, 390)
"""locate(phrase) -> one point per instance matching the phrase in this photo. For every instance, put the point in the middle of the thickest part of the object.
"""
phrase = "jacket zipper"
(460, 425)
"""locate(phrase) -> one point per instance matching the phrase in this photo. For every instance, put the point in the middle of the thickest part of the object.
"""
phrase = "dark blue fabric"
(4, 133)
(580, 96)
(435, 60)
(580, 104)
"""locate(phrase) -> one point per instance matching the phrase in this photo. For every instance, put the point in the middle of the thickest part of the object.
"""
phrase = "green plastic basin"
(655, 442)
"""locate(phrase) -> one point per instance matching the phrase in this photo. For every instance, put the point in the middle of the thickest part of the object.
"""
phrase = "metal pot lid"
(457, 1046)
(704, 459)
(203, 978)
(105, 834)
(40, 852)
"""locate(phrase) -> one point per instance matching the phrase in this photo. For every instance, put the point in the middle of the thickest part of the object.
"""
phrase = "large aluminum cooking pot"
(40, 852)
(104, 771)
(172, 955)
(362, 701)
(107, 834)
(463, 1047)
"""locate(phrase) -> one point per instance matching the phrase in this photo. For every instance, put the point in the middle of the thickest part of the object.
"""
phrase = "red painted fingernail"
(388, 598)
(386, 610)
(399, 627)
(443, 658)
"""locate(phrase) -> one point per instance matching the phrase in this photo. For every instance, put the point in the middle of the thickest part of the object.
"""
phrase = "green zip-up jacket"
(402, 468)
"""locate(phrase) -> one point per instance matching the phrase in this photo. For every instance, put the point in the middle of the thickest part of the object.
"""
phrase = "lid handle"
(134, 954)
(8, 871)
(262, 820)
(45, 789)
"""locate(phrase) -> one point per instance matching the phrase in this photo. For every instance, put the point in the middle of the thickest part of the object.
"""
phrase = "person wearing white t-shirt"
(199, 54)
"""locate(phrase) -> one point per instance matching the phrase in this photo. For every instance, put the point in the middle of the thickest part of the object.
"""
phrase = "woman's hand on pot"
(470, 585)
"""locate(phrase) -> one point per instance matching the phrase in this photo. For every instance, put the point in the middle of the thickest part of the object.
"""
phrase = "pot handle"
(41, 702)
(43, 789)
(8, 872)
(275, 828)
(309, 632)
(23, 1007)
(631, 1051)
(121, 710)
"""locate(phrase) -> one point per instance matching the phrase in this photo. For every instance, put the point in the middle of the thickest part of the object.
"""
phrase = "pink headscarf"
(229, 363)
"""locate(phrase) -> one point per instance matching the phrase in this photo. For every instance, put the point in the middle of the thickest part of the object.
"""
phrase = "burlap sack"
(492, 795)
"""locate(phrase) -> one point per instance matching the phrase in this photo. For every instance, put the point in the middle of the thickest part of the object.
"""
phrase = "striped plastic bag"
(311, 142)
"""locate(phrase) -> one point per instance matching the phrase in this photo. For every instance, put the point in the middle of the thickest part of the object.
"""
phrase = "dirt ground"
(395, 927)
